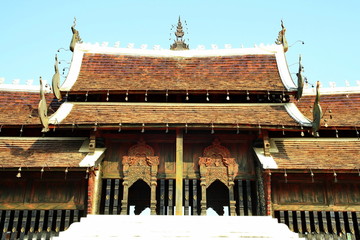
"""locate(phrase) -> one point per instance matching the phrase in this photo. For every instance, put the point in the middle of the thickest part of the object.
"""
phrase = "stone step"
(175, 227)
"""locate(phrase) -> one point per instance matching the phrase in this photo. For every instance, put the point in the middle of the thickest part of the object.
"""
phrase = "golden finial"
(179, 43)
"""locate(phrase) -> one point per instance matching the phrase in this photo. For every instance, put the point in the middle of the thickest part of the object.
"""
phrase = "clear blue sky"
(32, 31)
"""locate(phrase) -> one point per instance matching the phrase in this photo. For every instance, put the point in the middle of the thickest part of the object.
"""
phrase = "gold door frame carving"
(217, 164)
(140, 163)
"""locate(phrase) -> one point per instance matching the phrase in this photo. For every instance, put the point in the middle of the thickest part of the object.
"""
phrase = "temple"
(179, 131)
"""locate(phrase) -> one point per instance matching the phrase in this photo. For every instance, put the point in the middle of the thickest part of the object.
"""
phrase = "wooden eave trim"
(43, 206)
(308, 171)
(173, 126)
(179, 91)
(318, 207)
(47, 169)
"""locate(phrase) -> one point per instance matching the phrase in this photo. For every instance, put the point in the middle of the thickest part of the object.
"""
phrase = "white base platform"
(177, 227)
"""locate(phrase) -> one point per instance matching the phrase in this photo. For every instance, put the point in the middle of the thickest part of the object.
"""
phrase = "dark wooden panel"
(50, 221)
(171, 197)
(298, 193)
(41, 233)
(241, 198)
(317, 220)
(12, 190)
(162, 197)
(7, 222)
(351, 222)
(67, 220)
(58, 220)
(282, 216)
(33, 221)
(291, 220)
(356, 219)
(333, 222)
(346, 193)
(324, 222)
(249, 198)
(116, 196)
(186, 196)
(50, 192)
(53, 191)
(15, 224)
(107, 196)
(195, 197)
(299, 222)
(24, 222)
(342, 222)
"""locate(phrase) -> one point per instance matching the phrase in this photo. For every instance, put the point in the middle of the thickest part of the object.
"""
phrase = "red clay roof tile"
(20, 108)
(339, 110)
(152, 113)
(103, 72)
(40, 152)
(317, 153)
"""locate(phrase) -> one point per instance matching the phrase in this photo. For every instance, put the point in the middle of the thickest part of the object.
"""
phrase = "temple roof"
(46, 152)
(20, 107)
(102, 69)
(312, 153)
(340, 109)
(280, 114)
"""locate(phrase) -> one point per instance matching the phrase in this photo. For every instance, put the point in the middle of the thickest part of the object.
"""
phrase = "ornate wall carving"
(217, 164)
(140, 163)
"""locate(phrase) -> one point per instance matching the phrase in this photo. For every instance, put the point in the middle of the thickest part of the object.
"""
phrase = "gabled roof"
(30, 152)
(312, 153)
(87, 113)
(340, 108)
(101, 69)
(20, 107)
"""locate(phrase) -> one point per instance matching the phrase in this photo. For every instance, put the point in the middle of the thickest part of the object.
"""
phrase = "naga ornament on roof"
(300, 80)
(179, 43)
(76, 36)
(56, 80)
(42, 109)
(317, 112)
(281, 38)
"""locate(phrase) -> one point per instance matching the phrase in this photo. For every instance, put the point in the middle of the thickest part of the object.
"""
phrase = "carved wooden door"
(216, 164)
(140, 163)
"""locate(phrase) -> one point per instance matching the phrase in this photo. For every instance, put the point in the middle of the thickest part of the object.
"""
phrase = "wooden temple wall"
(165, 147)
(40, 204)
(245, 196)
(325, 205)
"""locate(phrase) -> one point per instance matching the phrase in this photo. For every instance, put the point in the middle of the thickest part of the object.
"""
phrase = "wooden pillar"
(267, 187)
(232, 206)
(153, 184)
(179, 172)
(124, 202)
(96, 191)
(203, 202)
